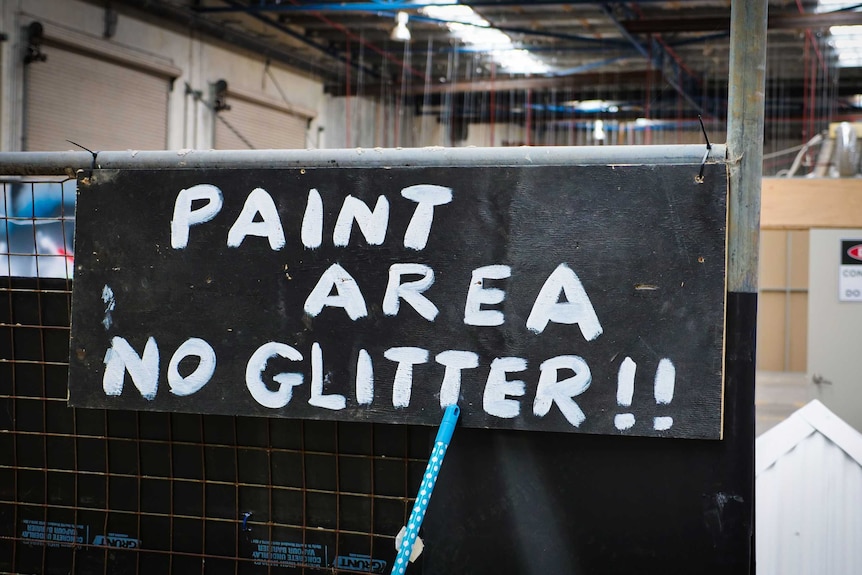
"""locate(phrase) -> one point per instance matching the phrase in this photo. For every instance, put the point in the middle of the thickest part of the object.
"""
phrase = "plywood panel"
(802, 203)
(798, 332)
(771, 326)
(641, 286)
(798, 260)
(773, 259)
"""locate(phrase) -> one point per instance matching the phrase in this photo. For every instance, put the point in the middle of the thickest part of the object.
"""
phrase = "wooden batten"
(803, 203)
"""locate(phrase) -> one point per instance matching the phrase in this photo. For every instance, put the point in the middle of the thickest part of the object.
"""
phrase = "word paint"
(546, 298)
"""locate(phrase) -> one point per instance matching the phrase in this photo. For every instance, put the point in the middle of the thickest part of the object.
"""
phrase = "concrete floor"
(777, 395)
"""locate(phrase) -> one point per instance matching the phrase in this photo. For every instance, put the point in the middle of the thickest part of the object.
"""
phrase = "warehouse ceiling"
(655, 59)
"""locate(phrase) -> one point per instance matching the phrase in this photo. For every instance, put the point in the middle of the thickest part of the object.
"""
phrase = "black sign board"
(560, 298)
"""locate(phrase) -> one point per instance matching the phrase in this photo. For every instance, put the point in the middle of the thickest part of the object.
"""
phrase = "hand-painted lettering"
(185, 216)
(478, 295)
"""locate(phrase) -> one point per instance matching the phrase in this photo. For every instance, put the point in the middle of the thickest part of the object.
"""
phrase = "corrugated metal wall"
(251, 125)
(809, 512)
(97, 103)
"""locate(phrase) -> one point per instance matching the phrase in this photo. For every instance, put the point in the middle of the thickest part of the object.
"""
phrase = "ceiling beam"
(673, 82)
(778, 21)
(577, 81)
(213, 29)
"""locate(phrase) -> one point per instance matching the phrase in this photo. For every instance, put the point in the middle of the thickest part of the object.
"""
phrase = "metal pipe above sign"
(575, 298)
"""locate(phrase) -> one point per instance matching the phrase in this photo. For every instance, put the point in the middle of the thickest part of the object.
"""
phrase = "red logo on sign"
(855, 252)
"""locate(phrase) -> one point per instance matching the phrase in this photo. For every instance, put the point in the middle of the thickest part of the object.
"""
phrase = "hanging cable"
(426, 92)
(492, 105)
(268, 73)
(347, 136)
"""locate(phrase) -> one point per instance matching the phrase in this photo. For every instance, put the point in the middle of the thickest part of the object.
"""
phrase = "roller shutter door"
(253, 125)
(95, 102)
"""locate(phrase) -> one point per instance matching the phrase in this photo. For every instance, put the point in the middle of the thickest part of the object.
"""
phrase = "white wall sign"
(850, 271)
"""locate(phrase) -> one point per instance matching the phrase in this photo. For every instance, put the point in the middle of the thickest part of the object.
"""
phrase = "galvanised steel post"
(745, 158)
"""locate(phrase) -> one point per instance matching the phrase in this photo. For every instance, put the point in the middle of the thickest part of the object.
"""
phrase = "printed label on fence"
(360, 563)
(54, 534)
(287, 554)
(118, 540)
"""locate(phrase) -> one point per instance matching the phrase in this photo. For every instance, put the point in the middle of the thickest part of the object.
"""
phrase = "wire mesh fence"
(99, 491)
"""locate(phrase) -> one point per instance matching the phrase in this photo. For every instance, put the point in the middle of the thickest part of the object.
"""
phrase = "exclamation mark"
(625, 390)
(665, 377)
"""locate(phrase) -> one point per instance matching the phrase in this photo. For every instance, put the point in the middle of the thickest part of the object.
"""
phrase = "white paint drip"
(110, 305)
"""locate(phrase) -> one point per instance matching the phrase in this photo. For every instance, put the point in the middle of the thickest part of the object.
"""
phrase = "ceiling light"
(469, 27)
(593, 106)
(847, 43)
(401, 32)
(599, 130)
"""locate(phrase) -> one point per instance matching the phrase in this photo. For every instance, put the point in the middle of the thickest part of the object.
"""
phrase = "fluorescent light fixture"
(593, 106)
(401, 32)
(845, 40)
(469, 27)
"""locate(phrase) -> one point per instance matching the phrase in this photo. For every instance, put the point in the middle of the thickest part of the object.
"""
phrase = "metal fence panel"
(95, 491)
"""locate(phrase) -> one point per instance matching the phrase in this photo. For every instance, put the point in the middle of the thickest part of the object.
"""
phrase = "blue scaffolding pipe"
(339, 6)
(588, 66)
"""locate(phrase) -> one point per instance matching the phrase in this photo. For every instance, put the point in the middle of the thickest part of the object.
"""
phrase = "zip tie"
(699, 177)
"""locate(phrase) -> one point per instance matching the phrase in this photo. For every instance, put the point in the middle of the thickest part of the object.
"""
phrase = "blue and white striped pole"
(441, 443)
